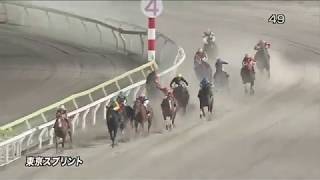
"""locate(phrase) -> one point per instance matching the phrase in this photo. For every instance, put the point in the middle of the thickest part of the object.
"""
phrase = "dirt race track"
(274, 134)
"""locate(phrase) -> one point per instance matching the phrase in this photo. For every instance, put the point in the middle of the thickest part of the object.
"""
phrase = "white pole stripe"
(151, 34)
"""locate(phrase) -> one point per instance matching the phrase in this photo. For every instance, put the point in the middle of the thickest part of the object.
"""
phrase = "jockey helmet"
(179, 75)
(62, 107)
(121, 93)
(204, 81)
(200, 50)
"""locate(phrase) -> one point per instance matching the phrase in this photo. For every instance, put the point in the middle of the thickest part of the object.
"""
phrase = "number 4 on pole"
(151, 8)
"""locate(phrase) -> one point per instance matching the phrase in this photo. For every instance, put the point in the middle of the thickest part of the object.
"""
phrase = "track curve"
(36, 71)
(274, 134)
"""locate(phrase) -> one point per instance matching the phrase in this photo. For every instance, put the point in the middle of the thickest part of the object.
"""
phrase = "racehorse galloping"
(113, 120)
(262, 57)
(141, 115)
(209, 46)
(126, 114)
(221, 80)
(61, 129)
(181, 94)
(168, 107)
(205, 96)
(248, 76)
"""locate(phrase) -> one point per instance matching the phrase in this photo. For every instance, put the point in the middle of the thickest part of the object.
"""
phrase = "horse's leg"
(70, 136)
(165, 121)
(252, 88)
(56, 139)
(115, 136)
(136, 123)
(112, 138)
(203, 112)
(149, 124)
(142, 126)
(245, 88)
(110, 132)
(173, 119)
(63, 141)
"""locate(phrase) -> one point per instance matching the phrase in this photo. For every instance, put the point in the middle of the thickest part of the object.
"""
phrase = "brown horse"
(181, 94)
(61, 129)
(248, 76)
(168, 107)
(141, 115)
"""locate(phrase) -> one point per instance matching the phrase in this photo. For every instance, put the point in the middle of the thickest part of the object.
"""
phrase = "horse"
(248, 76)
(127, 114)
(221, 80)
(211, 49)
(205, 96)
(141, 116)
(168, 107)
(113, 120)
(203, 70)
(182, 96)
(61, 129)
(263, 60)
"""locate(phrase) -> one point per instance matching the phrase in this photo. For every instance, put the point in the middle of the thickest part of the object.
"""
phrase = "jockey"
(208, 36)
(249, 62)
(62, 113)
(219, 64)
(178, 80)
(200, 56)
(204, 83)
(122, 99)
(262, 44)
(115, 105)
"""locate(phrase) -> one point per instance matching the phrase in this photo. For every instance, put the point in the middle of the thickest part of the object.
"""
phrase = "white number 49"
(277, 18)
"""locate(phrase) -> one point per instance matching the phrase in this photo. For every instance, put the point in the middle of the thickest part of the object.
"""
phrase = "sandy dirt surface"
(274, 134)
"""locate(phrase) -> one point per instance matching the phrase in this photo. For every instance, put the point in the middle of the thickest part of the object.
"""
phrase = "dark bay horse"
(61, 129)
(221, 80)
(141, 115)
(168, 107)
(182, 96)
(263, 60)
(127, 115)
(113, 121)
(205, 96)
(248, 76)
